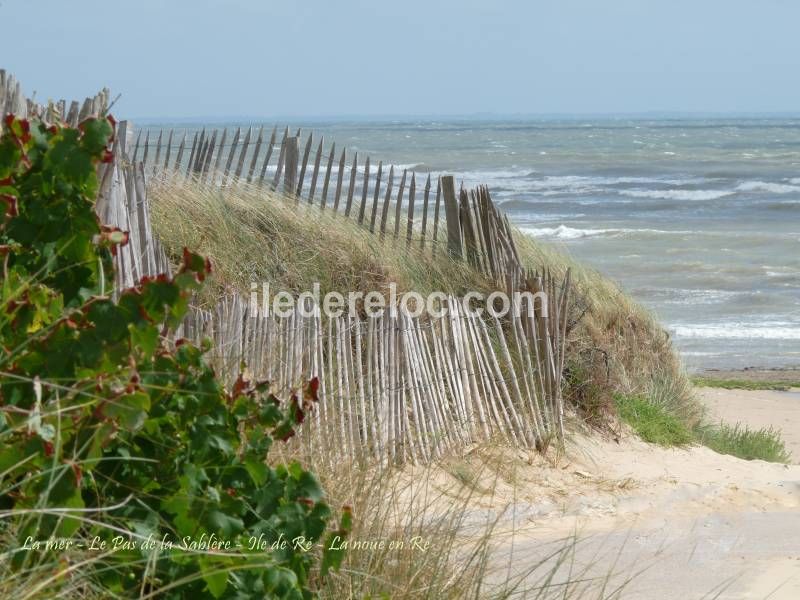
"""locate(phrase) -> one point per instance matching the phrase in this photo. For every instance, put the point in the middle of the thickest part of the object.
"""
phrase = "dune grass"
(254, 235)
(656, 421)
(652, 422)
(741, 441)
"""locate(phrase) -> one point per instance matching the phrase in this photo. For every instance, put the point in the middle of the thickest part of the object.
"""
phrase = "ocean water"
(698, 219)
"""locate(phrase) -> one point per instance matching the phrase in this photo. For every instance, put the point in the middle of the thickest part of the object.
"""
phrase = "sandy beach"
(662, 523)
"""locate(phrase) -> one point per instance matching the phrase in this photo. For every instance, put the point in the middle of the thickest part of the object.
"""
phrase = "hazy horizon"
(416, 59)
(476, 117)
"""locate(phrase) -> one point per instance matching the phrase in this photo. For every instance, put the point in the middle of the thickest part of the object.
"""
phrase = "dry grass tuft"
(254, 235)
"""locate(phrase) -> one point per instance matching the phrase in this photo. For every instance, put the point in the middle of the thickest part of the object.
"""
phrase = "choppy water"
(697, 219)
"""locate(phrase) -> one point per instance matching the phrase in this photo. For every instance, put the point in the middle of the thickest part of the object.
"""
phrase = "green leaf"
(227, 525)
(144, 338)
(69, 525)
(216, 582)
(130, 409)
(258, 471)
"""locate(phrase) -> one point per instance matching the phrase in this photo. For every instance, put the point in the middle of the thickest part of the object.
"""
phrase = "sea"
(696, 218)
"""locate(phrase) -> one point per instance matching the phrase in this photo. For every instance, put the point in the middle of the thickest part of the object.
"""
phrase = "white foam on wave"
(739, 331)
(765, 186)
(525, 180)
(689, 195)
(564, 232)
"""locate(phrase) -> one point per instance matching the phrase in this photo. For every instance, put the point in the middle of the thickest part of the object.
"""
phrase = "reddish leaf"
(78, 472)
(11, 204)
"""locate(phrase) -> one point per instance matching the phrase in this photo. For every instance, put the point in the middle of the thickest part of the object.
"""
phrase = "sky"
(326, 58)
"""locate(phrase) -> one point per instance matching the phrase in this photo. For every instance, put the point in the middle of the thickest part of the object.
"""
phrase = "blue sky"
(409, 57)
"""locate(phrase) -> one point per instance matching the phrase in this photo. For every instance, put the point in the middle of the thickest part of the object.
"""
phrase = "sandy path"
(689, 523)
(780, 410)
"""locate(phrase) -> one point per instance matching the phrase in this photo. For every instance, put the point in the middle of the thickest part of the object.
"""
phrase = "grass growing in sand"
(745, 384)
(741, 441)
(252, 235)
(657, 422)
(651, 421)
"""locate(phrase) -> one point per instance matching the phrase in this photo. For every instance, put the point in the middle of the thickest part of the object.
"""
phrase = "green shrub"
(651, 421)
(743, 442)
(108, 430)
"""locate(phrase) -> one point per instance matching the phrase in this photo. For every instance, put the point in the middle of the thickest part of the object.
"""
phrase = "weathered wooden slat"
(376, 197)
(270, 147)
(202, 148)
(398, 208)
(243, 153)
(451, 214)
(364, 191)
(231, 154)
(181, 148)
(168, 149)
(192, 153)
(315, 174)
(486, 232)
(201, 157)
(86, 109)
(306, 154)
(339, 180)
(292, 157)
(72, 115)
(281, 160)
(136, 147)
(158, 148)
(387, 201)
(436, 211)
(256, 151)
(327, 181)
(202, 144)
(411, 192)
(353, 170)
(467, 229)
(477, 219)
(146, 147)
(205, 168)
(220, 150)
(425, 212)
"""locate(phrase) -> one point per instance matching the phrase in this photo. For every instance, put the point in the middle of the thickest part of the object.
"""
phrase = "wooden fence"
(13, 100)
(389, 203)
(393, 387)
(396, 387)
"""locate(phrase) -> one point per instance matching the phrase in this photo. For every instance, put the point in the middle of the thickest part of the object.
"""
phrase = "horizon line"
(477, 116)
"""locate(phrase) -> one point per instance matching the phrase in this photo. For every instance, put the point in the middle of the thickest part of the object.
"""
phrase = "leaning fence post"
(451, 214)
(291, 158)
(125, 137)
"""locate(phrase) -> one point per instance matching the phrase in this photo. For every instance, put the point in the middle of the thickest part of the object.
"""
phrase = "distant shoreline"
(753, 375)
